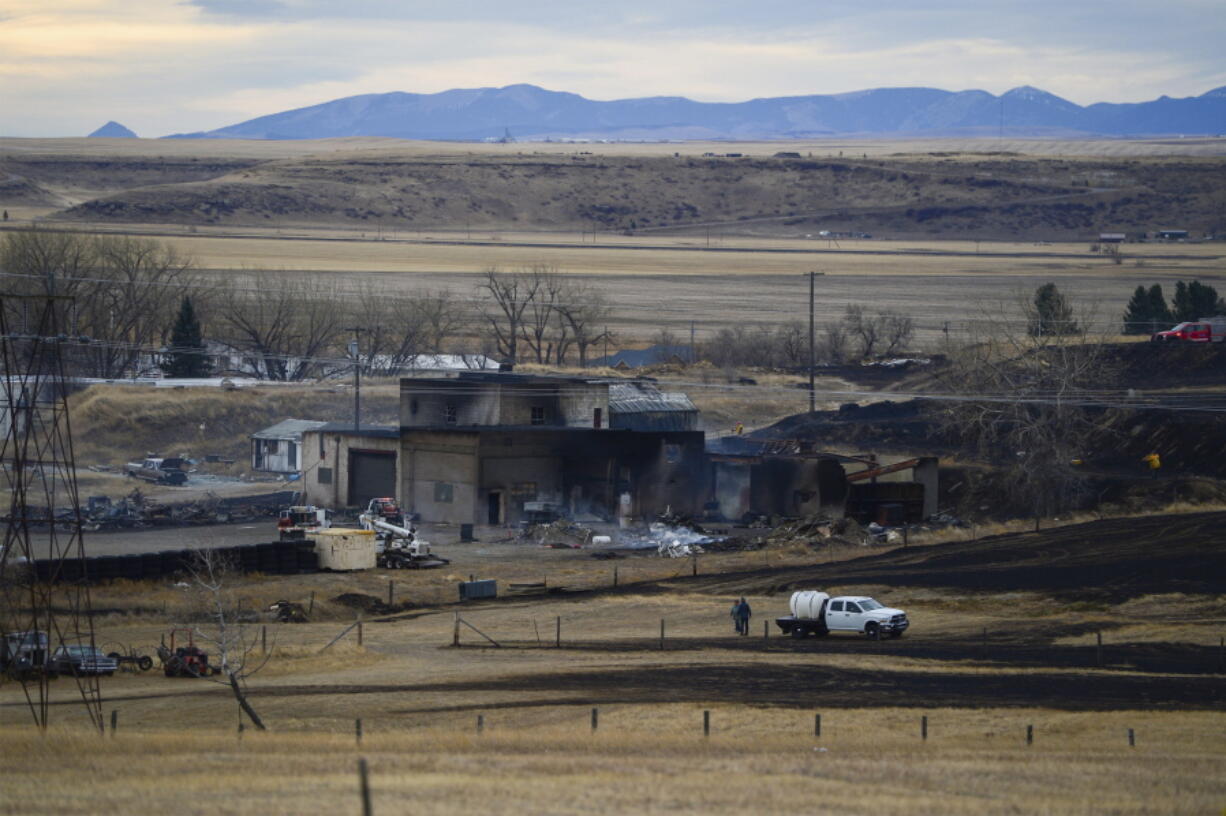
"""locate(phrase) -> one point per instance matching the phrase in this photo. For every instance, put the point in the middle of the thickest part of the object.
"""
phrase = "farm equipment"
(185, 661)
(129, 659)
(397, 547)
(288, 612)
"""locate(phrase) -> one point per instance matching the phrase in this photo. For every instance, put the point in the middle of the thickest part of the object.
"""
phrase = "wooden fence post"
(694, 560)
(1030, 735)
(614, 576)
(311, 603)
(706, 723)
(558, 632)
(595, 720)
(359, 632)
(455, 636)
(264, 639)
(114, 720)
(357, 730)
(364, 783)
(1098, 649)
(766, 630)
(817, 725)
(924, 727)
(480, 723)
(661, 634)
(391, 590)
(1132, 738)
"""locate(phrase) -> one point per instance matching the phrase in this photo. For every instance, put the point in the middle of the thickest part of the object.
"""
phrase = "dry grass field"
(419, 700)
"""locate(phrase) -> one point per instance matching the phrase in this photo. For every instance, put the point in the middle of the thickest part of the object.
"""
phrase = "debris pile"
(559, 534)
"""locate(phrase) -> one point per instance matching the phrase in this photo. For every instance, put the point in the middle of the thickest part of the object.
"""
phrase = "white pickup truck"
(816, 613)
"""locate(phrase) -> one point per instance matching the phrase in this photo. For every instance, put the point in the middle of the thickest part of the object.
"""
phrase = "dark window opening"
(538, 415)
(450, 414)
(596, 418)
(413, 407)
(324, 476)
(443, 492)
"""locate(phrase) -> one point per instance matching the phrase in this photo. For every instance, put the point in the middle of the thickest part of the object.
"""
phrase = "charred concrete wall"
(779, 485)
(493, 400)
(440, 475)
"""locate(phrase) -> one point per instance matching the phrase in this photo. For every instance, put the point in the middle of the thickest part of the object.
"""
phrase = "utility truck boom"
(398, 547)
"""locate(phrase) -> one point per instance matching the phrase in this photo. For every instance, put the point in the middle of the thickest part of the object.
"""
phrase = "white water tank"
(807, 604)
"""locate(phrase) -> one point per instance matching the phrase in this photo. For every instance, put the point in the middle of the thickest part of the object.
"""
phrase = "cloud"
(163, 66)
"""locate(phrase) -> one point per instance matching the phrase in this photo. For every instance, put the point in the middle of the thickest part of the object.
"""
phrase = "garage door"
(371, 474)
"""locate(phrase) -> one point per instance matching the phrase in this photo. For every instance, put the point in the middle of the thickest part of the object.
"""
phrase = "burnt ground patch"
(807, 686)
(1110, 560)
(1017, 651)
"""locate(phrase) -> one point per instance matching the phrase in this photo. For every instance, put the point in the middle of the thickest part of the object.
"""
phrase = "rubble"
(561, 533)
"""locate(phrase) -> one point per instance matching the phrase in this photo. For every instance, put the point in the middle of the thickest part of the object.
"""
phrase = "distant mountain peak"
(112, 130)
(1032, 94)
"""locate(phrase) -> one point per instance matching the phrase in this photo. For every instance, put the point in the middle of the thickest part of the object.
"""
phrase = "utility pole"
(691, 355)
(812, 340)
(357, 377)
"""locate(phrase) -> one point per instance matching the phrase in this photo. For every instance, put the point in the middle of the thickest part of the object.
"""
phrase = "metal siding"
(371, 474)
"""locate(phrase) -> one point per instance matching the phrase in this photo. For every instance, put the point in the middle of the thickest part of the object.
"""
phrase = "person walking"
(742, 616)
(735, 615)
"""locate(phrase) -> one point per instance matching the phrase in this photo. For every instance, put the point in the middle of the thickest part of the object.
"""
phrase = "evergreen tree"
(1159, 313)
(1193, 301)
(186, 357)
(1138, 313)
(1052, 314)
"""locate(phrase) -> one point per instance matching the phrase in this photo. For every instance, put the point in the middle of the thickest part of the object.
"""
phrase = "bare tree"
(541, 329)
(792, 339)
(1022, 403)
(125, 292)
(834, 343)
(896, 331)
(511, 294)
(862, 328)
(230, 638)
(284, 326)
(584, 311)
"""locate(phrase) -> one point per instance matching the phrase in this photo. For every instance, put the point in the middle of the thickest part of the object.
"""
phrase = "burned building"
(775, 478)
(497, 448)
(490, 448)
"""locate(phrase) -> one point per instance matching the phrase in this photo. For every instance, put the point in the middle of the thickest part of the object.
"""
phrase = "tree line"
(1148, 311)
(138, 307)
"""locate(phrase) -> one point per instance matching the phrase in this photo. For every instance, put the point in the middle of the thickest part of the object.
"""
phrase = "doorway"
(495, 507)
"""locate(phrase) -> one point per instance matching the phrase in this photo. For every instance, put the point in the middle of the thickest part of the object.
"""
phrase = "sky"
(168, 66)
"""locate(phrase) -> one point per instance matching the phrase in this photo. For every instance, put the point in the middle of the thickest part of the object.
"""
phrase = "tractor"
(185, 661)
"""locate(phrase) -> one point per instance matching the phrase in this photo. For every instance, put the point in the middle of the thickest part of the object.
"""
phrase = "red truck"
(1205, 330)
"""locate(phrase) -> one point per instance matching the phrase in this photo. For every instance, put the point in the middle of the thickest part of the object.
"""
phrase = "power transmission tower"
(44, 597)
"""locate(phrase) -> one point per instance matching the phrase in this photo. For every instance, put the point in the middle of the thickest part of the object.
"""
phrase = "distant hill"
(531, 113)
(112, 130)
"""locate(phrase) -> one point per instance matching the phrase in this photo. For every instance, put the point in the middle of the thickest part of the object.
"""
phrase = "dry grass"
(645, 761)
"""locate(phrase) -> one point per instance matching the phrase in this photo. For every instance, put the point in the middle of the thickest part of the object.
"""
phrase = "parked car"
(81, 659)
(169, 471)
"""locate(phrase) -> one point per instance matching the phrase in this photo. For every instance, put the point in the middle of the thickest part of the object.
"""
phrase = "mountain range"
(530, 113)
